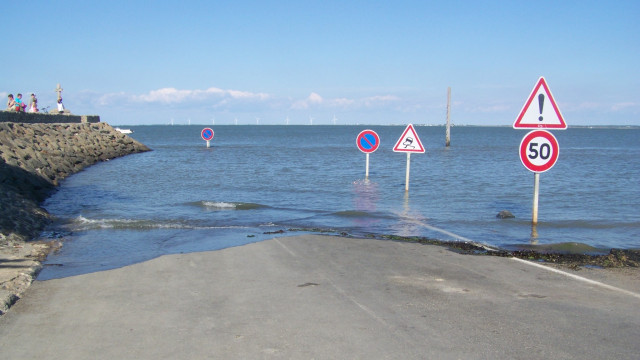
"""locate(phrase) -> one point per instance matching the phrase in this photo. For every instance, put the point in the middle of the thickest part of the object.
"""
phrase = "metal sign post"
(207, 135)
(539, 148)
(536, 192)
(406, 178)
(366, 167)
(368, 142)
(539, 151)
(409, 142)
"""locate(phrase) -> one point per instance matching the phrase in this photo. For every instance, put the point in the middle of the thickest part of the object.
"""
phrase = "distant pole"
(406, 179)
(536, 191)
(448, 135)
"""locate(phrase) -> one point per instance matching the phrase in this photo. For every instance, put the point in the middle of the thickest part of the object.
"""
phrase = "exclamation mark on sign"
(540, 105)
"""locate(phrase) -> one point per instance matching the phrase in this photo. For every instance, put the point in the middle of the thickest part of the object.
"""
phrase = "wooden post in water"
(536, 191)
(448, 136)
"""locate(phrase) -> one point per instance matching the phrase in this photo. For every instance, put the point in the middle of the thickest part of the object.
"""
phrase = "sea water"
(258, 182)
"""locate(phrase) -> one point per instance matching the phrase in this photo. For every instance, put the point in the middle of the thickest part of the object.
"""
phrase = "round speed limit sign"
(539, 151)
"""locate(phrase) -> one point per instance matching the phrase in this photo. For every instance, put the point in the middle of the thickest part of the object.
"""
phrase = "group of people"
(19, 106)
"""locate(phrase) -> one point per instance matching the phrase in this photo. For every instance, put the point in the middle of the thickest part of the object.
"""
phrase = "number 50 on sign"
(539, 151)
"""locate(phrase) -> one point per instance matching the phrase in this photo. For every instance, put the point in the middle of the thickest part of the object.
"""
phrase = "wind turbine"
(287, 120)
(236, 121)
(334, 119)
(310, 120)
(257, 121)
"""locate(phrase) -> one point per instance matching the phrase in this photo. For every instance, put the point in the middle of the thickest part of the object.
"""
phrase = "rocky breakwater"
(34, 158)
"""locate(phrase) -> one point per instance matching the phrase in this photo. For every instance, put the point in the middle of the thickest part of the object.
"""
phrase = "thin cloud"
(111, 99)
(623, 106)
(585, 106)
(493, 108)
(239, 100)
(342, 102)
(165, 95)
(311, 100)
(247, 95)
(486, 108)
(379, 100)
(315, 100)
(174, 96)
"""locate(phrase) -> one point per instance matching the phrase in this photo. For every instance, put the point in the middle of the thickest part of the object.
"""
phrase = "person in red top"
(20, 106)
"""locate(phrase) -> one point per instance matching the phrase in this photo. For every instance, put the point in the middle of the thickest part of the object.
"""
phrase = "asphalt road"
(325, 297)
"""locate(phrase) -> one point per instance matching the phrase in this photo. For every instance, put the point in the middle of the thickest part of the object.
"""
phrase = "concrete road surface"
(323, 297)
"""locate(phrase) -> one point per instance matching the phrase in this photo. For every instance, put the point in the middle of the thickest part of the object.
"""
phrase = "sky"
(322, 62)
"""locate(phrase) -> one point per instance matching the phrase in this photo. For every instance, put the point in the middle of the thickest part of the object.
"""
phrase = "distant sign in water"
(207, 134)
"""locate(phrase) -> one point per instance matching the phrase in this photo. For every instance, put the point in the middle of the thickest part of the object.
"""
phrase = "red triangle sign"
(540, 110)
(409, 141)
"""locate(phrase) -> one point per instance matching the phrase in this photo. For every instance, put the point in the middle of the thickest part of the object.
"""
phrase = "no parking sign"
(368, 142)
(207, 135)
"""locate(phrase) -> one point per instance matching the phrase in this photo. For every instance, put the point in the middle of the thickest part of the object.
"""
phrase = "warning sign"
(540, 110)
(409, 141)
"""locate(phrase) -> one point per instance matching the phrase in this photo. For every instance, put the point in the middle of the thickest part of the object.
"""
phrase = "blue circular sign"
(207, 134)
(368, 141)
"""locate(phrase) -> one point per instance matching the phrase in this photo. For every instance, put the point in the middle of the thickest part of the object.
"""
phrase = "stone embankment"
(34, 158)
(46, 118)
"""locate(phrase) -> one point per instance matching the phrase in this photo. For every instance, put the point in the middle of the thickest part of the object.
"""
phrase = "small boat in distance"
(124, 131)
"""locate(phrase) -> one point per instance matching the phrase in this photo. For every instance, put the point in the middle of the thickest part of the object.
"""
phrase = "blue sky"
(367, 62)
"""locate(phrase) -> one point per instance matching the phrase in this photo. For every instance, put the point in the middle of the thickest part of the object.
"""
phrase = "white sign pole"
(366, 172)
(409, 142)
(539, 148)
(367, 141)
(406, 181)
(207, 135)
(536, 192)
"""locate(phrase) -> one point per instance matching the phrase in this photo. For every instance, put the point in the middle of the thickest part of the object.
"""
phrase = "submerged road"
(326, 297)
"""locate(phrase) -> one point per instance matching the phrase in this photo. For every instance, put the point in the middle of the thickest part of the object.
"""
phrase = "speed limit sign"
(539, 151)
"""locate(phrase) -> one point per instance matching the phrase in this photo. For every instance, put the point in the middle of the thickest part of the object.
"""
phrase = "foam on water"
(221, 205)
(83, 224)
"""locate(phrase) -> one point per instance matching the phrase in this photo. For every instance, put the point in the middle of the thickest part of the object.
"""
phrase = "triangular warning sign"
(409, 141)
(540, 110)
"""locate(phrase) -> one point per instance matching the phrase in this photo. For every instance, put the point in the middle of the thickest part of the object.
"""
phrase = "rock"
(7, 298)
(34, 158)
(505, 214)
